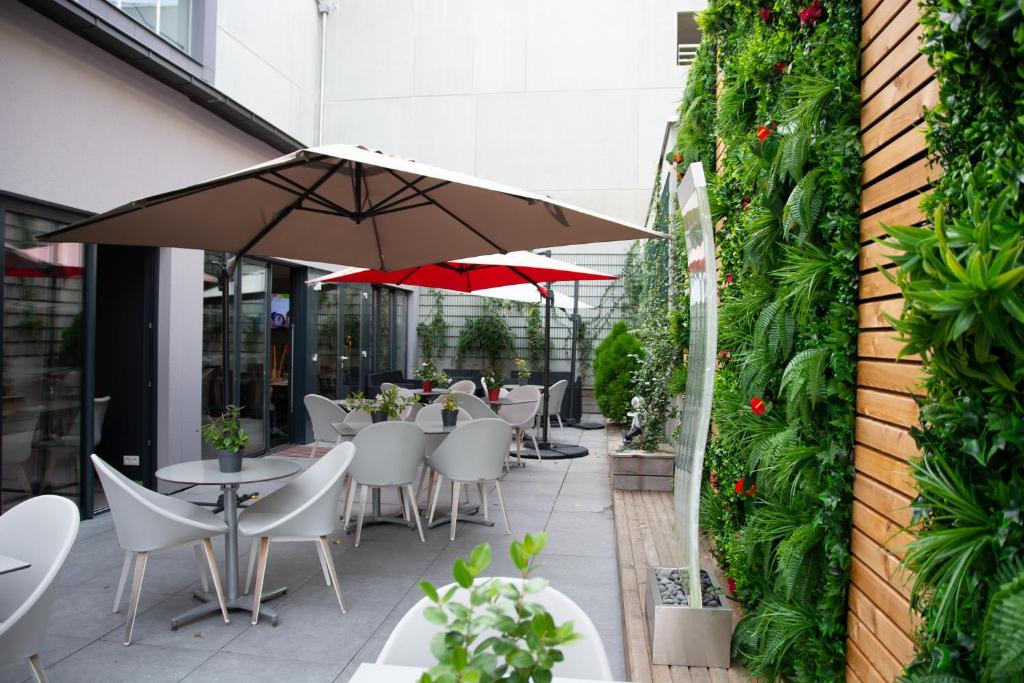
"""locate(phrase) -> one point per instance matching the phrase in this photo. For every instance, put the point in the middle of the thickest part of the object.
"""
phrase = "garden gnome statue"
(636, 426)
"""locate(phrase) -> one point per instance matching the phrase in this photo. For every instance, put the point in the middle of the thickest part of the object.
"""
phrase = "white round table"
(207, 473)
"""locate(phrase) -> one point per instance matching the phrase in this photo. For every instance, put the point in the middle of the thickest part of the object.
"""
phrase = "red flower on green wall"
(757, 405)
(811, 14)
(765, 14)
(763, 132)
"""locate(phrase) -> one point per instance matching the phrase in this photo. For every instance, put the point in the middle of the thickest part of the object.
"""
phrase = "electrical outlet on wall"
(131, 460)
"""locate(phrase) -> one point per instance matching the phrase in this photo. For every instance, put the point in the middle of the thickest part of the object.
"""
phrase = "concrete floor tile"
(229, 667)
(115, 663)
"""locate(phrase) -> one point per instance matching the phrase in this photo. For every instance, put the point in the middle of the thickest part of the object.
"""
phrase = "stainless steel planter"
(687, 636)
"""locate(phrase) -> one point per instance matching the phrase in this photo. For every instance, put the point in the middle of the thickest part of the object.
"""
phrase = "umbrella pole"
(547, 358)
(572, 355)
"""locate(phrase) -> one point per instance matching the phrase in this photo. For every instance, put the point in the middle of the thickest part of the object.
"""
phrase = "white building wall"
(567, 98)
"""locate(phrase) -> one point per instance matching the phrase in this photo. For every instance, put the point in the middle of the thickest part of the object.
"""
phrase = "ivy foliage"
(488, 336)
(777, 84)
(433, 335)
(961, 275)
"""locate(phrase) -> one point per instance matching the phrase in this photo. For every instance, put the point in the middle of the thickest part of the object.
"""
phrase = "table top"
(428, 427)
(12, 564)
(208, 472)
(391, 673)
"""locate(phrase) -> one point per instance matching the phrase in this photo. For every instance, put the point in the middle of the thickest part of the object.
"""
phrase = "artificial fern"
(803, 206)
(1003, 634)
(804, 382)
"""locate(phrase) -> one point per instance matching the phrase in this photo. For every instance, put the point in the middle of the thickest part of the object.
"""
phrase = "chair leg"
(416, 514)
(323, 564)
(312, 451)
(215, 574)
(38, 672)
(560, 425)
(482, 487)
(501, 504)
(202, 570)
(261, 571)
(433, 499)
(455, 507)
(133, 602)
(536, 449)
(23, 480)
(350, 493)
(128, 555)
(253, 552)
(325, 550)
(362, 512)
(519, 445)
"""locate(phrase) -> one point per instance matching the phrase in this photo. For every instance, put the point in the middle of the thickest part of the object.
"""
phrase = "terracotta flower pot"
(493, 394)
(427, 387)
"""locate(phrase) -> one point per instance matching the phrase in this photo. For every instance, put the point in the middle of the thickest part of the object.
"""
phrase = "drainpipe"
(323, 9)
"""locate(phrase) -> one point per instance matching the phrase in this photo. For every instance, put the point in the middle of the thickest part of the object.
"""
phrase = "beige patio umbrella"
(351, 205)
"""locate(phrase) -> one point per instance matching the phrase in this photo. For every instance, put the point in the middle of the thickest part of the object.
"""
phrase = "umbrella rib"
(406, 184)
(452, 215)
(373, 221)
(408, 275)
(316, 196)
(283, 213)
(401, 208)
(528, 279)
(326, 203)
(387, 205)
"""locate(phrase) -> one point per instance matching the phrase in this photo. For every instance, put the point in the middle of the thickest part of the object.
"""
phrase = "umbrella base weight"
(550, 450)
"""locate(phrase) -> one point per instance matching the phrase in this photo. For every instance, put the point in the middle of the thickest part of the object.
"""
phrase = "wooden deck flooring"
(645, 535)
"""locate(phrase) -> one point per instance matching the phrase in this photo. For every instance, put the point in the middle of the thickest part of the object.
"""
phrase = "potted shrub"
(522, 370)
(225, 434)
(389, 404)
(449, 410)
(528, 642)
(493, 380)
(356, 401)
(431, 376)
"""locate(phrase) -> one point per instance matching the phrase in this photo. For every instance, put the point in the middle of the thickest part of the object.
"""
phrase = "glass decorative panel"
(700, 379)
(42, 373)
(401, 328)
(384, 329)
(327, 341)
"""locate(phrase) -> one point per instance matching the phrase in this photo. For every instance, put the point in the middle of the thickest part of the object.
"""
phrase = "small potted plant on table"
(492, 379)
(389, 405)
(431, 376)
(522, 370)
(449, 410)
(225, 434)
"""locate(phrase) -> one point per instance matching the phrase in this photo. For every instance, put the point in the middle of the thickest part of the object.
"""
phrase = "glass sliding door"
(355, 336)
(251, 349)
(328, 332)
(43, 308)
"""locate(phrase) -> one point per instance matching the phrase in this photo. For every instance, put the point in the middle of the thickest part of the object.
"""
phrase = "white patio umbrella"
(528, 294)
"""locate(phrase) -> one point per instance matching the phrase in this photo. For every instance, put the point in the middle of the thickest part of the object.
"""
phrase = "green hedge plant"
(615, 362)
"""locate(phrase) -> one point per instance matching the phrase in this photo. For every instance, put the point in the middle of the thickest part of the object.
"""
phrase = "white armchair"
(39, 531)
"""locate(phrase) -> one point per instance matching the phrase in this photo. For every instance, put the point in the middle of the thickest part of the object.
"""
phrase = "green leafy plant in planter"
(487, 336)
(449, 409)
(534, 335)
(357, 401)
(498, 634)
(492, 378)
(389, 404)
(433, 335)
(431, 376)
(522, 370)
(615, 362)
(226, 435)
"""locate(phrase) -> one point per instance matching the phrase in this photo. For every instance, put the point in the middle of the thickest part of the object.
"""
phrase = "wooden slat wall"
(896, 85)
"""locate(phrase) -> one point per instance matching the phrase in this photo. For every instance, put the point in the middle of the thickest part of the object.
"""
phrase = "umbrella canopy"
(528, 294)
(346, 204)
(470, 274)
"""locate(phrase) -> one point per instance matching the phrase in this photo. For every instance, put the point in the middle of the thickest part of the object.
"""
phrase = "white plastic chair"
(388, 454)
(146, 521)
(472, 454)
(520, 413)
(466, 386)
(472, 405)
(305, 509)
(19, 436)
(66, 445)
(323, 412)
(555, 396)
(39, 531)
(409, 643)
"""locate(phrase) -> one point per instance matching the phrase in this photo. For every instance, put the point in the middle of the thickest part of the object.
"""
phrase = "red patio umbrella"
(486, 272)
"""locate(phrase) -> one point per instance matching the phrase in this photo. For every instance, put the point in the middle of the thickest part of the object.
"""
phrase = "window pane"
(401, 323)
(327, 341)
(384, 341)
(41, 362)
(175, 21)
(213, 357)
(142, 11)
(253, 330)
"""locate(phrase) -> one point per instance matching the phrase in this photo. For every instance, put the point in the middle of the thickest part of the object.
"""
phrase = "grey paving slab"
(115, 663)
(55, 649)
(228, 667)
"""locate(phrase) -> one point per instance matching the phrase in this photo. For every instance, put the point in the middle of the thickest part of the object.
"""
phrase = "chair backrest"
(387, 454)
(473, 405)
(475, 451)
(99, 416)
(40, 531)
(310, 500)
(525, 402)
(358, 415)
(146, 520)
(384, 386)
(323, 412)
(432, 413)
(19, 434)
(555, 395)
(409, 642)
(466, 386)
